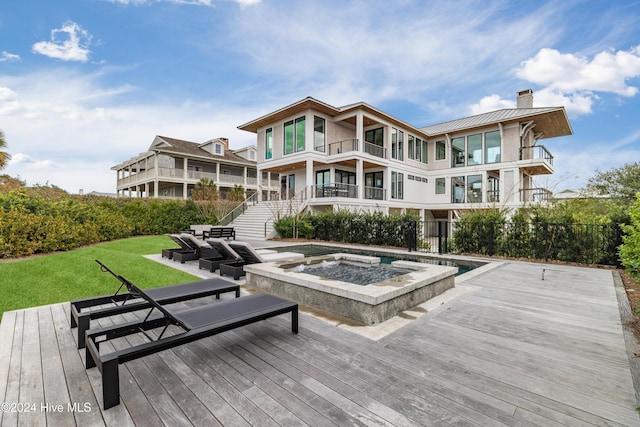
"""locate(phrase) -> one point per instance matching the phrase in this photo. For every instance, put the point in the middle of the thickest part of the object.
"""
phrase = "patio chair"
(198, 249)
(225, 254)
(191, 324)
(84, 310)
(251, 256)
(183, 246)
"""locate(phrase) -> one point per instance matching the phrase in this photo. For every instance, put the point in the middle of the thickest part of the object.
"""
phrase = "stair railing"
(239, 210)
(301, 197)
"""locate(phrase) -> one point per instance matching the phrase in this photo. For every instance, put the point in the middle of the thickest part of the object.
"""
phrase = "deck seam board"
(386, 354)
(408, 376)
(7, 336)
(31, 376)
(329, 370)
(12, 393)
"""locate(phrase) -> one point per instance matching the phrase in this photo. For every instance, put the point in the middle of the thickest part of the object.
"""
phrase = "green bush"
(31, 223)
(630, 249)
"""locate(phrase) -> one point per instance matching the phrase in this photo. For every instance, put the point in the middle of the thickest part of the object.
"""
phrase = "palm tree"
(237, 193)
(205, 190)
(4, 156)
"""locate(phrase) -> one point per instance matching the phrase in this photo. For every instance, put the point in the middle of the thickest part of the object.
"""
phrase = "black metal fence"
(580, 243)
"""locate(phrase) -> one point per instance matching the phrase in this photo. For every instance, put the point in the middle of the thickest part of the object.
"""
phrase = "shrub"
(630, 249)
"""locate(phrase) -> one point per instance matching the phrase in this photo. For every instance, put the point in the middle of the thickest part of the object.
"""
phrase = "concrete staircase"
(251, 224)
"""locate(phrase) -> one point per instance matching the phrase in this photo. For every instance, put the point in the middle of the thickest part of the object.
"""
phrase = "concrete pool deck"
(508, 348)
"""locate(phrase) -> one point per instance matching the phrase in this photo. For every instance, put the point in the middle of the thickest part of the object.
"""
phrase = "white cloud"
(209, 3)
(491, 103)
(72, 46)
(8, 57)
(606, 72)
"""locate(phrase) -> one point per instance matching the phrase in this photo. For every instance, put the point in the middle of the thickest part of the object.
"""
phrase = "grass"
(65, 276)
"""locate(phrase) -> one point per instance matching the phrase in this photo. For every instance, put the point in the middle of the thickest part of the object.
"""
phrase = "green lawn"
(65, 276)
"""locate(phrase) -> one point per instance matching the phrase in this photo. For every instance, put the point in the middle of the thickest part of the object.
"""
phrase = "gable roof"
(165, 144)
(550, 121)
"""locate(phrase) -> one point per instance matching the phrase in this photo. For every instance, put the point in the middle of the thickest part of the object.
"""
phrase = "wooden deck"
(513, 350)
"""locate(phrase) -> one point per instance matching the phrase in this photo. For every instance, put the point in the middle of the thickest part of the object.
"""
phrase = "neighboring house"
(359, 158)
(171, 167)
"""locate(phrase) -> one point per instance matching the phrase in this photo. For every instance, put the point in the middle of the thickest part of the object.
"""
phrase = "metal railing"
(535, 195)
(239, 210)
(375, 193)
(336, 190)
(536, 152)
(342, 146)
(375, 150)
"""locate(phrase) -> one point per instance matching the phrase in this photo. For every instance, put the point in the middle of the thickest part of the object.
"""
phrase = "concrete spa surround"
(370, 304)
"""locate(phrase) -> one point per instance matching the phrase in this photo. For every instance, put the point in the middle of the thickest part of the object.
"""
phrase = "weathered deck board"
(515, 350)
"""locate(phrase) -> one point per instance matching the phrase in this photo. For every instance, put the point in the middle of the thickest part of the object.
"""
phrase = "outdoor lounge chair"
(84, 310)
(251, 256)
(225, 254)
(198, 249)
(193, 324)
(184, 246)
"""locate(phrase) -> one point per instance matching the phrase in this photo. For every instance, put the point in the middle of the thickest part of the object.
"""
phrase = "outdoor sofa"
(82, 311)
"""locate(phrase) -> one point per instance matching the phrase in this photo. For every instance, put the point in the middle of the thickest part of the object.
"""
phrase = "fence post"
(491, 231)
(443, 237)
(412, 238)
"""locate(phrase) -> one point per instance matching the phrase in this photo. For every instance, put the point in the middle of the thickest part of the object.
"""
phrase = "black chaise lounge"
(185, 247)
(193, 324)
(251, 256)
(85, 310)
(225, 254)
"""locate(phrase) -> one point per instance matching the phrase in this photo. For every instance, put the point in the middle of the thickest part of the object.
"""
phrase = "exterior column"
(360, 130)
(268, 185)
(155, 188)
(146, 189)
(309, 177)
(245, 177)
(360, 178)
(185, 194)
(186, 172)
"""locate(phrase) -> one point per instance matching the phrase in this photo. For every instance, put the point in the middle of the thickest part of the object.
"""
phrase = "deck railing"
(375, 150)
(536, 152)
(342, 146)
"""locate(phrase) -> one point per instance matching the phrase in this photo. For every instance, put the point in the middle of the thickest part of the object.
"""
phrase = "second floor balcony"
(540, 160)
(349, 191)
(352, 145)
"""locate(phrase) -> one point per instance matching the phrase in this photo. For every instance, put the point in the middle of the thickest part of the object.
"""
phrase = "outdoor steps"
(251, 224)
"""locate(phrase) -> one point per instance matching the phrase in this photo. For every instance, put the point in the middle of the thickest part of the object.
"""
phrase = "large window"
(425, 153)
(411, 147)
(268, 143)
(457, 152)
(457, 189)
(474, 189)
(294, 136)
(474, 149)
(492, 147)
(441, 150)
(318, 134)
(375, 136)
(397, 185)
(440, 185)
(397, 144)
(418, 151)
(345, 177)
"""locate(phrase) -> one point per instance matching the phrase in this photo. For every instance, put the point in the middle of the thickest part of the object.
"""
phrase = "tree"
(4, 156)
(620, 184)
(205, 190)
(237, 193)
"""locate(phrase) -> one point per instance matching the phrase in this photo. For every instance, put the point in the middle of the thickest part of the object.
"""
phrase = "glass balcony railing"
(342, 146)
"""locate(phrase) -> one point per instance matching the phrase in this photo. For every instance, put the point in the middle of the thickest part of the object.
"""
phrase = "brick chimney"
(525, 99)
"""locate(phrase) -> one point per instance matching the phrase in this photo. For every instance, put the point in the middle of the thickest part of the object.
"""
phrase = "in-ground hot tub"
(375, 302)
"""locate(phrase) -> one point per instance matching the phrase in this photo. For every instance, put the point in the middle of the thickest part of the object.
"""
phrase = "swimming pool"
(309, 250)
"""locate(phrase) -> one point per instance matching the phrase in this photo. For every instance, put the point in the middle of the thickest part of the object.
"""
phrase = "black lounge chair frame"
(125, 302)
(196, 323)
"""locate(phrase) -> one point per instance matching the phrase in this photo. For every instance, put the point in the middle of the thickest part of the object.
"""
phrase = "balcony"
(342, 146)
(336, 190)
(535, 195)
(375, 193)
(375, 150)
(540, 160)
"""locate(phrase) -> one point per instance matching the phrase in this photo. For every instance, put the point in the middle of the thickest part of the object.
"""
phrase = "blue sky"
(86, 84)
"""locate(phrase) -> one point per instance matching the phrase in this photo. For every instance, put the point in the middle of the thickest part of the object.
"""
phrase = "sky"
(87, 84)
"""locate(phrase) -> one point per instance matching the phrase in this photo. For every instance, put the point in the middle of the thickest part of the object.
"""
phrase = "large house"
(360, 158)
(171, 167)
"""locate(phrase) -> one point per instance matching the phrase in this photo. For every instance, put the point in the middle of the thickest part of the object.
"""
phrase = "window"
(474, 149)
(218, 149)
(457, 189)
(373, 186)
(397, 185)
(268, 143)
(318, 134)
(474, 189)
(375, 136)
(440, 185)
(411, 146)
(425, 157)
(418, 150)
(441, 150)
(345, 177)
(294, 136)
(397, 142)
(492, 147)
(457, 152)
(252, 155)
